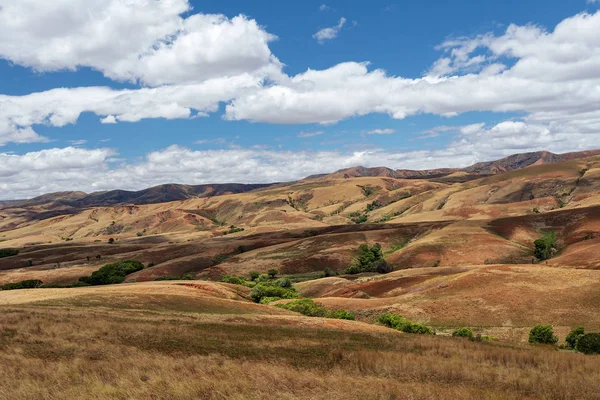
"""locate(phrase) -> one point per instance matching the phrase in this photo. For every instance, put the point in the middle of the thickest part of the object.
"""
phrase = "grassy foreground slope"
(190, 343)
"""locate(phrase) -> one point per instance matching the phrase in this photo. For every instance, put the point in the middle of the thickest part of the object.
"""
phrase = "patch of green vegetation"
(309, 308)
(272, 289)
(27, 284)
(358, 217)
(367, 190)
(574, 336)
(112, 273)
(463, 332)
(589, 343)
(442, 204)
(233, 229)
(185, 277)
(545, 247)
(374, 205)
(400, 323)
(543, 334)
(235, 280)
(369, 260)
(536, 210)
(8, 252)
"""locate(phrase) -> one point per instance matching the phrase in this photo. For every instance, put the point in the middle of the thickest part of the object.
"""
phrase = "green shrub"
(233, 229)
(236, 280)
(139, 234)
(284, 282)
(27, 284)
(589, 343)
(305, 307)
(111, 241)
(542, 334)
(369, 260)
(545, 247)
(272, 272)
(463, 332)
(263, 278)
(268, 289)
(574, 336)
(112, 273)
(268, 300)
(254, 275)
(399, 323)
(327, 272)
(342, 314)
(8, 252)
(309, 308)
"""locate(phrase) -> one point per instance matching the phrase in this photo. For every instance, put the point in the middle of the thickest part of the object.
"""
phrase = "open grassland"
(81, 347)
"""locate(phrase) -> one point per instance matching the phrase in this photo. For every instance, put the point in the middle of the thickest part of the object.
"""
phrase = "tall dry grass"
(61, 353)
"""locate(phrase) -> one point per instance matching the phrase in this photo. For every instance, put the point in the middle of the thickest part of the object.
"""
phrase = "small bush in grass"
(400, 323)
(268, 289)
(236, 280)
(27, 284)
(327, 272)
(272, 272)
(589, 343)
(542, 334)
(463, 332)
(574, 336)
(254, 275)
(111, 241)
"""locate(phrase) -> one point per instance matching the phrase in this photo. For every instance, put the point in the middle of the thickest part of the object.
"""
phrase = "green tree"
(574, 336)
(111, 241)
(272, 272)
(254, 275)
(589, 343)
(542, 334)
(545, 247)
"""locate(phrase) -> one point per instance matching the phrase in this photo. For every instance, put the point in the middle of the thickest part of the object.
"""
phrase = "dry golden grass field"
(160, 342)
(459, 244)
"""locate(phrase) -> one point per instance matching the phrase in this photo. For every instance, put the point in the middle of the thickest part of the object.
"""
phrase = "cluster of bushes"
(586, 343)
(112, 273)
(309, 308)
(27, 284)
(233, 229)
(185, 277)
(268, 291)
(8, 252)
(374, 205)
(542, 334)
(577, 339)
(400, 323)
(236, 280)
(369, 260)
(545, 247)
(357, 217)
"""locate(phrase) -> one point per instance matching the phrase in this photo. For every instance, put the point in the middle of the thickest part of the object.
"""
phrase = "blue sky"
(190, 86)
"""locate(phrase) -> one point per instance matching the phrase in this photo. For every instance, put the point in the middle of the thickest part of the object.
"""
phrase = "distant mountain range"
(173, 192)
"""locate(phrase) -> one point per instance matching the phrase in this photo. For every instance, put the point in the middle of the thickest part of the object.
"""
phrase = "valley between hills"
(458, 252)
